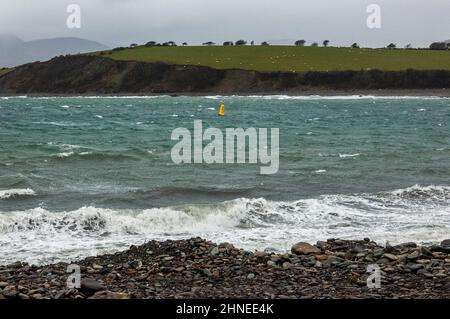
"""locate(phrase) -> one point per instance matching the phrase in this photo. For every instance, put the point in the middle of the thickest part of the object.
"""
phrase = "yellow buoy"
(221, 109)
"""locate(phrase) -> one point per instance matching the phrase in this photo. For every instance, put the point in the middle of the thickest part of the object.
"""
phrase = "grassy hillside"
(290, 58)
(4, 71)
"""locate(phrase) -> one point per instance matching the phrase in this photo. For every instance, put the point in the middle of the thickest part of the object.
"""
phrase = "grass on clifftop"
(289, 58)
(4, 71)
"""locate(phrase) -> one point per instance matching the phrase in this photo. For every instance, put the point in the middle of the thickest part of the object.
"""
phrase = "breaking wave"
(420, 214)
(10, 193)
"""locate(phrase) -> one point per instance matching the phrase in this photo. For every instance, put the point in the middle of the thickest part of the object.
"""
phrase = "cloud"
(120, 22)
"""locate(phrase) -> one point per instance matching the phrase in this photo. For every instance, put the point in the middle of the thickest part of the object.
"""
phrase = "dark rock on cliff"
(83, 74)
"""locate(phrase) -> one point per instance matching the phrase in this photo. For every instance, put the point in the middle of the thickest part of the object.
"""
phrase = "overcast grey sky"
(121, 22)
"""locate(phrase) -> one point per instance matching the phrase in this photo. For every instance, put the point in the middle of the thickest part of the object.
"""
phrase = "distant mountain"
(14, 51)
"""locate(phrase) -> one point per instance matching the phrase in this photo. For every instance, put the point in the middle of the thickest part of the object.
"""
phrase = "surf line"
(235, 151)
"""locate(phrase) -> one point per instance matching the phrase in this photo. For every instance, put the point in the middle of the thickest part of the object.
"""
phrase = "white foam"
(420, 214)
(99, 97)
(349, 155)
(9, 193)
(265, 97)
(330, 97)
(65, 154)
(63, 124)
(435, 192)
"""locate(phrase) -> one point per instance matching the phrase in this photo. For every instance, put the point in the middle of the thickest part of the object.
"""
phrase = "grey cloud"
(120, 22)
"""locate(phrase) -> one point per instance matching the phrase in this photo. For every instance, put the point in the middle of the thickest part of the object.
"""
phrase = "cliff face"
(97, 75)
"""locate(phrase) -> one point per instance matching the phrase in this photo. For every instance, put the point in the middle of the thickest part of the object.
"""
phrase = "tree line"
(434, 46)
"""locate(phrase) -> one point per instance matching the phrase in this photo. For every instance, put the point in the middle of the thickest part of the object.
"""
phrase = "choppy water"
(82, 176)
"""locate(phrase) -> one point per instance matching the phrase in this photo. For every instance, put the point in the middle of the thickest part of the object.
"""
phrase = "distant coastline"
(93, 75)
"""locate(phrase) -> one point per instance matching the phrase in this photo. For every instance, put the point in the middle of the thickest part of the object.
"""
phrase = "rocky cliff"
(83, 74)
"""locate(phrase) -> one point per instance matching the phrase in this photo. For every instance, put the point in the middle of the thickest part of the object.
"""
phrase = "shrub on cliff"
(439, 46)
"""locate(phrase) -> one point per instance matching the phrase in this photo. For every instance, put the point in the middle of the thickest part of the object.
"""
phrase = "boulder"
(89, 284)
(445, 243)
(305, 249)
(391, 257)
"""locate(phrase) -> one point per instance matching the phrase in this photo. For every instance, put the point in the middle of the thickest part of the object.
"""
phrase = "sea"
(89, 175)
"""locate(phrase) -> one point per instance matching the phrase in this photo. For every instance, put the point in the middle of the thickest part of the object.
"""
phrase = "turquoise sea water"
(85, 175)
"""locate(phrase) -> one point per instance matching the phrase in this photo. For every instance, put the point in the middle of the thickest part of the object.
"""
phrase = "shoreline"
(196, 268)
(387, 93)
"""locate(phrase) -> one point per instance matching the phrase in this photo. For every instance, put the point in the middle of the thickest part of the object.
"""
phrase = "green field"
(289, 58)
(4, 71)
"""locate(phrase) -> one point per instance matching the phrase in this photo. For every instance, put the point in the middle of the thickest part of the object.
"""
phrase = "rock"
(391, 257)
(260, 254)
(378, 253)
(321, 257)
(440, 249)
(136, 264)
(3, 284)
(97, 267)
(302, 248)
(287, 265)
(179, 269)
(207, 272)
(445, 243)
(406, 245)
(439, 255)
(413, 255)
(389, 269)
(271, 263)
(23, 296)
(389, 249)
(106, 294)
(250, 276)
(60, 294)
(9, 292)
(214, 251)
(426, 252)
(414, 267)
(36, 291)
(368, 259)
(91, 285)
(226, 246)
(91, 270)
(16, 265)
(333, 260)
